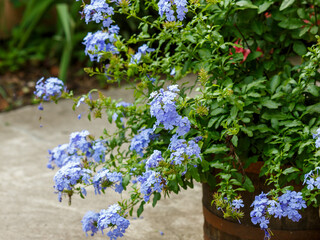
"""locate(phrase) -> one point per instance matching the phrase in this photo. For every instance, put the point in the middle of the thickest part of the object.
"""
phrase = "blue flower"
(104, 178)
(98, 150)
(151, 181)
(59, 156)
(78, 141)
(237, 203)
(287, 205)
(143, 50)
(154, 159)
(317, 136)
(51, 87)
(97, 11)
(69, 175)
(96, 43)
(163, 108)
(89, 222)
(181, 150)
(110, 218)
(141, 140)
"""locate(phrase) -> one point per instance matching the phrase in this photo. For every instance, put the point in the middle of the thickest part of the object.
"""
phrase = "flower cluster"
(312, 179)
(97, 11)
(180, 148)
(78, 147)
(317, 137)
(141, 140)
(166, 7)
(163, 107)
(69, 158)
(287, 205)
(151, 182)
(107, 218)
(143, 50)
(154, 159)
(68, 176)
(51, 87)
(104, 178)
(96, 43)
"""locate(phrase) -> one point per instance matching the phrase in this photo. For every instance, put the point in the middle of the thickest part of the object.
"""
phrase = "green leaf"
(218, 111)
(277, 116)
(313, 89)
(302, 13)
(254, 55)
(257, 27)
(270, 104)
(234, 140)
(221, 148)
(246, 4)
(264, 6)
(247, 131)
(211, 122)
(253, 94)
(126, 180)
(313, 109)
(140, 209)
(233, 112)
(303, 31)
(299, 48)
(190, 38)
(291, 23)
(156, 198)
(290, 170)
(274, 83)
(205, 53)
(248, 185)
(285, 4)
(314, 29)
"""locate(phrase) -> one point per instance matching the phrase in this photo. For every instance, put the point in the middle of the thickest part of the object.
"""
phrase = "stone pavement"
(29, 209)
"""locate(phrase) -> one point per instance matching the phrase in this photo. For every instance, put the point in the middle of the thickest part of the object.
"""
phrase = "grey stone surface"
(29, 209)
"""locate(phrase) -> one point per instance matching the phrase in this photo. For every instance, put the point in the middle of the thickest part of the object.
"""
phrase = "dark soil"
(16, 88)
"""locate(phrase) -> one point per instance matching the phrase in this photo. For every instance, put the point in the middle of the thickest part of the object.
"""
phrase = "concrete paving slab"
(29, 209)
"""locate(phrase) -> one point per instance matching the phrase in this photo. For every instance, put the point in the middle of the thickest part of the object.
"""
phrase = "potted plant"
(249, 134)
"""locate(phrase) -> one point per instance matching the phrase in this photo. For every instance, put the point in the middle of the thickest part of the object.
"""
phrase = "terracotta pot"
(218, 228)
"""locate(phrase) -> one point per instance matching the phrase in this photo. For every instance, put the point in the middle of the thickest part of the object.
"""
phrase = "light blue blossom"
(163, 107)
(89, 222)
(237, 203)
(287, 205)
(143, 50)
(98, 42)
(69, 175)
(141, 140)
(123, 104)
(59, 156)
(104, 178)
(97, 11)
(110, 218)
(78, 141)
(51, 87)
(151, 182)
(312, 179)
(98, 150)
(154, 159)
(181, 150)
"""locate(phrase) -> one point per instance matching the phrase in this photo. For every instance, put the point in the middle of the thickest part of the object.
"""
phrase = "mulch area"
(16, 88)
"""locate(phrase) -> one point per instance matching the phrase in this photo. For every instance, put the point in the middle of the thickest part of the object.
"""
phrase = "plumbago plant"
(252, 105)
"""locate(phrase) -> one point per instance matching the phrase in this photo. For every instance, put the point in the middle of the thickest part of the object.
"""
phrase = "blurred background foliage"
(44, 38)
(33, 32)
